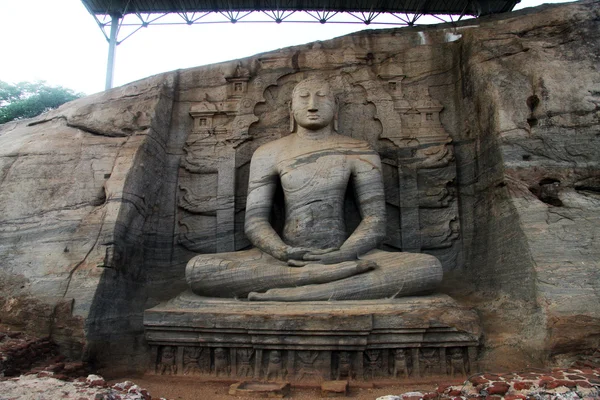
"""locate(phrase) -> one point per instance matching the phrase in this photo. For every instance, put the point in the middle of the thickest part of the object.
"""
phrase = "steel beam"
(112, 49)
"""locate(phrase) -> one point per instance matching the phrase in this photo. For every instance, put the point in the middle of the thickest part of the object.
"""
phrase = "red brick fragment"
(442, 388)
(498, 388)
(478, 380)
(455, 392)
(74, 365)
(545, 381)
(430, 396)
(551, 384)
(574, 377)
(514, 397)
(492, 377)
(566, 383)
(59, 358)
(56, 367)
(583, 384)
(530, 375)
(520, 385)
(493, 397)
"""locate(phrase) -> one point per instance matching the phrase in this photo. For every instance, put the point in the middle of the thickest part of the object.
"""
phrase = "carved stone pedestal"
(364, 340)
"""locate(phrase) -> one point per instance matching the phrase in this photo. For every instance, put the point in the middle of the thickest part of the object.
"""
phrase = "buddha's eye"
(321, 93)
(303, 94)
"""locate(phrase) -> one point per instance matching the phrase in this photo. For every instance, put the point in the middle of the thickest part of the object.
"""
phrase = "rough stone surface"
(334, 389)
(33, 387)
(489, 147)
(259, 389)
(528, 174)
(77, 185)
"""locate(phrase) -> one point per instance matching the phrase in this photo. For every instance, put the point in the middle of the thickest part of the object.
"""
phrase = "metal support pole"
(112, 48)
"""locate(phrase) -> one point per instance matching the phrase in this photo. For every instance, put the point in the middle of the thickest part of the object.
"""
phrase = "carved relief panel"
(210, 198)
(403, 125)
(422, 208)
(307, 365)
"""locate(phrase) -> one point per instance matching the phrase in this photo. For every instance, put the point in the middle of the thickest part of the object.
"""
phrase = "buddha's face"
(313, 104)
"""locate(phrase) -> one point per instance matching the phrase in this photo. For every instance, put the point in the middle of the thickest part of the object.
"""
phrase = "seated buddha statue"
(314, 259)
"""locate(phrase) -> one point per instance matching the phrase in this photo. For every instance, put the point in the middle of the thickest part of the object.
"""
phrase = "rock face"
(489, 145)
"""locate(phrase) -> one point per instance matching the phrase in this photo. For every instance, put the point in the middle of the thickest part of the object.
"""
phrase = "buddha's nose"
(311, 105)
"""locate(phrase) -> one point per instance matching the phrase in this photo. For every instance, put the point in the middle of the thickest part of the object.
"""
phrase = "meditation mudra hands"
(301, 256)
(314, 259)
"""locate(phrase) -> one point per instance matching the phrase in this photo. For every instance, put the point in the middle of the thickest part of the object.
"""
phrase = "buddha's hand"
(325, 256)
(295, 254)
(330, 257)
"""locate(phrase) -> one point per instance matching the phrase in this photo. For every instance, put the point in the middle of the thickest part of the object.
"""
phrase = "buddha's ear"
(336, 113)
(292, 119)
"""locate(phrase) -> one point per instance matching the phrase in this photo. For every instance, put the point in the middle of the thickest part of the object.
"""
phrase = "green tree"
(28, 99)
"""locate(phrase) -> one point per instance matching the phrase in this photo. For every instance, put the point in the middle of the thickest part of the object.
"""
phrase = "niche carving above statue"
(314, 258)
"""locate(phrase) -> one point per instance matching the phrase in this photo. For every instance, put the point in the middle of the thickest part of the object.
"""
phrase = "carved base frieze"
(369, 340)
(312, 365)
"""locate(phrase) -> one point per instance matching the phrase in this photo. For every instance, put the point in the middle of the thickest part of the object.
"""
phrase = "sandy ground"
(190, 389)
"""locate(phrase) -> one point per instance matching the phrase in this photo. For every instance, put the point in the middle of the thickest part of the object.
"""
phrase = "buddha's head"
(313, 105)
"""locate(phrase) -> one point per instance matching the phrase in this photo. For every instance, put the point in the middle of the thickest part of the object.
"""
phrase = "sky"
(59, 42)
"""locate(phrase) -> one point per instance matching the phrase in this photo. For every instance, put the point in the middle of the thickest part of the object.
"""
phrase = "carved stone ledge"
(312, 341)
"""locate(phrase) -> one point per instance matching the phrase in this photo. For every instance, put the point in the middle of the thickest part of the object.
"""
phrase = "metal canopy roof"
(111, 14)
(465, 7)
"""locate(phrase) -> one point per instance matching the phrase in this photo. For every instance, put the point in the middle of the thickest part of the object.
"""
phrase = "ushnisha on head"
(313, 106)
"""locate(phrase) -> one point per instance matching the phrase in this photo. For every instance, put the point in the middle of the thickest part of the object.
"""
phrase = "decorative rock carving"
(373, 363)
(221, 362)
(401, 363)
(166, 364)
(191, 360)
(207, 179)
(245, 357)
(457, 362)
(312, 365)
(275, 366)
(314, 166)
(307, 366)
(429, 361)
(425, 163)
(344, 366)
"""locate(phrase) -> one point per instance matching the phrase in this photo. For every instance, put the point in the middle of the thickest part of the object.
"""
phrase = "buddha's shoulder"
(353, 144)
(274, 147)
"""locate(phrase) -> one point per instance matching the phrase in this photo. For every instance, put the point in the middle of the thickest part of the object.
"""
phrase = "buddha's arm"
(370, 196)
(368, 184)
(261, 189)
